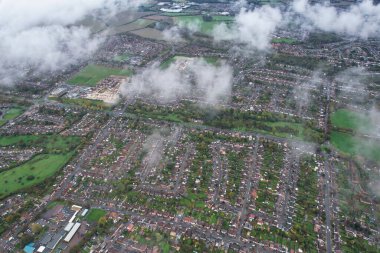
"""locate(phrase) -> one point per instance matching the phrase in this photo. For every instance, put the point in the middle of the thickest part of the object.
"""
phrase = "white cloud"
(361, 20)
(238, 5)
(173, 34)
(41, 35)
(193, 76)
(252, 27)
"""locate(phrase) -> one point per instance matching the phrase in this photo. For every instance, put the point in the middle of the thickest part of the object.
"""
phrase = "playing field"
(122, 58)
(347, 119)
(204, 26)
(11, 114)
(351, 145)
(289, 41)
(92, 74)
(57, 151)
(50, 143)
(210, 60)
(95, 214)
(32, 172)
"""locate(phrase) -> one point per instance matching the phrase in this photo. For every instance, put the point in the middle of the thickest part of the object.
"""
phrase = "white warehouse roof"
(72, 232)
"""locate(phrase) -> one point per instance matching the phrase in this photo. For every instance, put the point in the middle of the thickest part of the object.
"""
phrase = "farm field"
(135, 25)
(149, 33)
(92, 74)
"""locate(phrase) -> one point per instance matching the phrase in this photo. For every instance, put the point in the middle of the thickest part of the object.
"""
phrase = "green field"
(122, 57)
(32, 172)
(149, 33)
(55, 203)
(91, 104)
(266, 123)
(347, 119)
(204, 26)
(210, 60)
(344, 120)
(57, 151)
(95, 214)
(174, 14)
(132, 26)
(92, 74)
(351, 145)
(284, 41)
(50, 143)
(165, 64)
(11, 114)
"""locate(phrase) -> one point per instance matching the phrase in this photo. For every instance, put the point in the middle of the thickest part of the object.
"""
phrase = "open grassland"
(266, 123)
(289, 41)
(344, 122)
(347, 119)
(92, 74)
(149, 33)
(306, 62)
(32, 172)
(174, 14)
(138, 24)
(152, 239)
(205, 27)
(50, 143)
(210, 60)
(95, 214)
(56, 152)
(11, 114)
(92, 104)
(122, 58)
(135, 25)
(351, 145)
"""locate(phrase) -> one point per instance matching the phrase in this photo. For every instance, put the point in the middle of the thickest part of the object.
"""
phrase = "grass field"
(149, 33)
(135, 25)
(210, 60)
(92, 74)
(95, 214)
(174, 14)
(51, 143)
(284, 41)
(280, 128)
(165, 64)
(122, 58)
(85, 102)
(58, 150)
(204, 26)
(32, 172)
(55, 203)
(351, 145)
(347, 119)
(11, 114)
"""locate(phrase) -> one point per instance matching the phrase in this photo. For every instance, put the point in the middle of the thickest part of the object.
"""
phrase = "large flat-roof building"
(72, 232)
